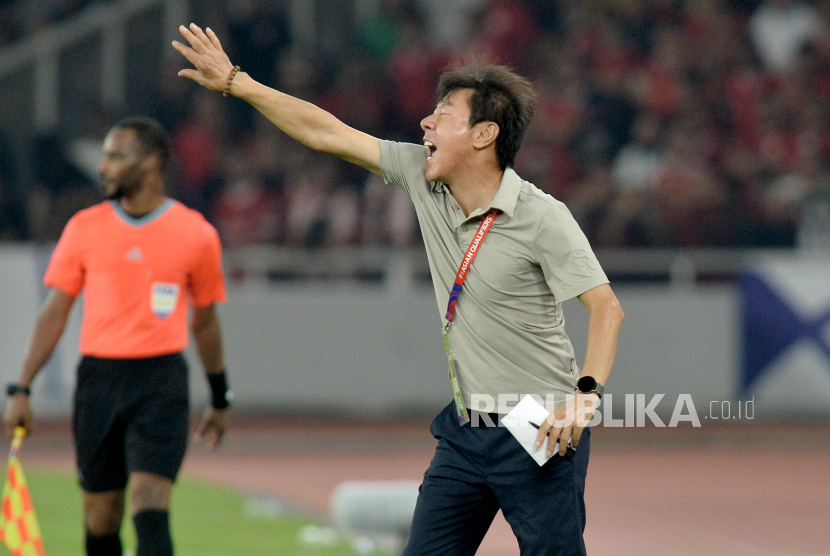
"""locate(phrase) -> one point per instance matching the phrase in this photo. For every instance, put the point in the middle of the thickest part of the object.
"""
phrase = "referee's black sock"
(108, 545)
(152, 527)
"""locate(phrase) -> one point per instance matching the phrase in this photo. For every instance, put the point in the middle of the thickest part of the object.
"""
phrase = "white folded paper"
(518, 422)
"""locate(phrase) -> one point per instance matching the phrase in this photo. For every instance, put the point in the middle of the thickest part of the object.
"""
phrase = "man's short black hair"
(151, 136)
(499, 96)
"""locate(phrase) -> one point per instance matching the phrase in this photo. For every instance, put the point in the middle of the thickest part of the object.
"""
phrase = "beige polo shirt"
(508, 333)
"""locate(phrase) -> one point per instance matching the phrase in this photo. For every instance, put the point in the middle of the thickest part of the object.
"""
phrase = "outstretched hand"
(205, 52)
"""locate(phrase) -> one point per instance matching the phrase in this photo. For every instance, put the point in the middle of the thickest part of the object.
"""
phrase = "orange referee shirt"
(138, 275)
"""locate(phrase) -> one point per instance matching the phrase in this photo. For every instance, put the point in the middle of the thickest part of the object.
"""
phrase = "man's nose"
(426, 123)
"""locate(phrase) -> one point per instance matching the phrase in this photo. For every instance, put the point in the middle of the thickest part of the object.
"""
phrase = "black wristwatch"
(588, 384)
(13, 389)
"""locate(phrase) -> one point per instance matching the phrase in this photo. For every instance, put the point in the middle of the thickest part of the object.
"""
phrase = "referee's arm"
(208, 337)
(45, 336)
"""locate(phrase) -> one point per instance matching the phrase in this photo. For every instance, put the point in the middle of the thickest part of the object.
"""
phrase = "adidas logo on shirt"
(134, 254)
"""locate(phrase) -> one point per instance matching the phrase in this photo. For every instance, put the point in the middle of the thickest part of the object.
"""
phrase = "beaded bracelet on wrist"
(233, 73)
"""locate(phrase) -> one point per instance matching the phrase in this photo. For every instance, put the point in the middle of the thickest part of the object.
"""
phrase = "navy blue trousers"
(478, 470)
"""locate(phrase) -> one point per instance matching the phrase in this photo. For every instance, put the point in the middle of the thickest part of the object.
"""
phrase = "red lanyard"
(467, 261)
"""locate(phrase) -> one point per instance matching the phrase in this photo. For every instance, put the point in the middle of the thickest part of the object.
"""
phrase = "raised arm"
(308, 124)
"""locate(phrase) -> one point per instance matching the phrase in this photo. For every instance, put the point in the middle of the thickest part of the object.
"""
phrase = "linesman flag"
(19, 530)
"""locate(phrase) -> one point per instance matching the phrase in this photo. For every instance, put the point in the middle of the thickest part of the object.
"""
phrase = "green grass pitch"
(206, 521)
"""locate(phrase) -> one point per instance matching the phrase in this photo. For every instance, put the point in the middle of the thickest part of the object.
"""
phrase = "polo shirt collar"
(505, 197)
(508, 192)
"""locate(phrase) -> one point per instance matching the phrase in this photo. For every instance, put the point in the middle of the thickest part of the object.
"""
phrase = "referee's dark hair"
(150, 135)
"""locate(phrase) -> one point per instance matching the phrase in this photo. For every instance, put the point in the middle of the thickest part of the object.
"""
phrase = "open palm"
(205, 52)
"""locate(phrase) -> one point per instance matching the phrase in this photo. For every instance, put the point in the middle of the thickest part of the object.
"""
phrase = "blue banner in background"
(785, 332)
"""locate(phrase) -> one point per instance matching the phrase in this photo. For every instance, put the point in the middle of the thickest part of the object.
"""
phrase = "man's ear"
(485, 134)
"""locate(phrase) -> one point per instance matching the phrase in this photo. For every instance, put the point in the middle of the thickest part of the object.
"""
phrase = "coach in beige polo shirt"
(508, 335)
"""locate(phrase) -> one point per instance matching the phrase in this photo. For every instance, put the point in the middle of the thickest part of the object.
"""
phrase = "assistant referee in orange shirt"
(139, 257)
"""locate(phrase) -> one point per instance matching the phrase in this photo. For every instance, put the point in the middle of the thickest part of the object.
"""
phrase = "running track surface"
(737, 490)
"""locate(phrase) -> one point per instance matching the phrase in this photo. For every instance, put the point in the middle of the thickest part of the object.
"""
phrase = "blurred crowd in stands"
(696, 123)
(19, 18)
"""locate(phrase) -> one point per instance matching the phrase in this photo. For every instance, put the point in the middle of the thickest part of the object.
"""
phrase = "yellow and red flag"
(19, 530)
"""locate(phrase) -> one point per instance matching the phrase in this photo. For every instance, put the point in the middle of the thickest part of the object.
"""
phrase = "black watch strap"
(588, 384)
(13, 389)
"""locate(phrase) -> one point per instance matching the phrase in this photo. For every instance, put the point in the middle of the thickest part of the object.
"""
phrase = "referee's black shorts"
(130, 415)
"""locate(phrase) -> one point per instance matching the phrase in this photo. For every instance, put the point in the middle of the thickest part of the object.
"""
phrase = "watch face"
(586, 384)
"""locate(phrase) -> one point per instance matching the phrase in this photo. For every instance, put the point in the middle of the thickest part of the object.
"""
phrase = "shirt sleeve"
(207, 281)
(66, 267)
(404, 165)
(566, 257)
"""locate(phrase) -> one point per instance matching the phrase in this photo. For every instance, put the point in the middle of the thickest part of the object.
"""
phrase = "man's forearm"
(305, 122)
(603, 333)
(308, 124)
(45, 337)
(208, 337)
